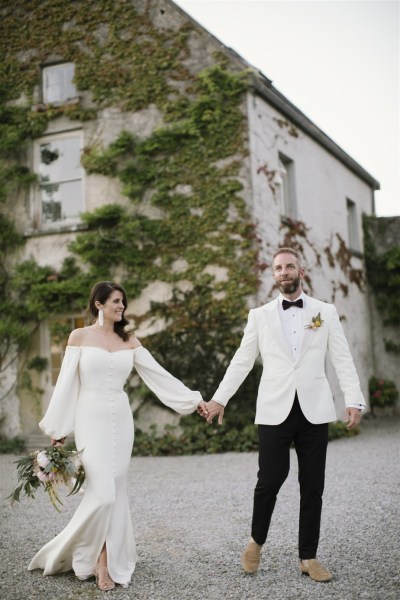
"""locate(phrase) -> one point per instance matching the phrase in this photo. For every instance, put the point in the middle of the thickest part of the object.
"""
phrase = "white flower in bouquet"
(42, 459)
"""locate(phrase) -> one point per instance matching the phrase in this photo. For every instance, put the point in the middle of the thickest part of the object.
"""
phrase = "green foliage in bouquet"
(49, 468)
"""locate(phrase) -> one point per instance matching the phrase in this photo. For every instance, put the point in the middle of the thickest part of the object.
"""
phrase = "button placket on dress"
(111, 393)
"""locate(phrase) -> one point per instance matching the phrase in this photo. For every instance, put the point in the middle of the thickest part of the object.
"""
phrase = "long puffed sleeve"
(167, 388)
(59, 419)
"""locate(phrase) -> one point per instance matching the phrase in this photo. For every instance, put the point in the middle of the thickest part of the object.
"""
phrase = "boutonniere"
(315, 322)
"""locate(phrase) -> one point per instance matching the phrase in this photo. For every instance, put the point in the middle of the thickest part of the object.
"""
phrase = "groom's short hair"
(288, 251)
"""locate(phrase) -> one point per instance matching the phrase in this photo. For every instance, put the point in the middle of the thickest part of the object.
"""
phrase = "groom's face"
(287, 273)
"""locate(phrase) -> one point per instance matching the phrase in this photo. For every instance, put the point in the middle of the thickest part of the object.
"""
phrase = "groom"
(293, 334)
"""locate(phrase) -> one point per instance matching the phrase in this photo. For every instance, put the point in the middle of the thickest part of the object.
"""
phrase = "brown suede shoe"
(251, 557)
(315, 570)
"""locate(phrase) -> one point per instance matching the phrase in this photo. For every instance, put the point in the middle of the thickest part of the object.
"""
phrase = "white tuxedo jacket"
(283, 375)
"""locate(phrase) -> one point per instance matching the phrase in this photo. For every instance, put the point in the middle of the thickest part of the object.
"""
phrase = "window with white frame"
(352, 225)
(57, 81)
(286, 187)
(59, 332)
(60, 193)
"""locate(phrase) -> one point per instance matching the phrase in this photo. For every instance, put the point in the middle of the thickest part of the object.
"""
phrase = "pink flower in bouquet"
(42, 459)
(42, 476)
(52, 476)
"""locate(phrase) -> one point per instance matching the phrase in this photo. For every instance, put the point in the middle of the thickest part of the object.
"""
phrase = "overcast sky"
(336, 60)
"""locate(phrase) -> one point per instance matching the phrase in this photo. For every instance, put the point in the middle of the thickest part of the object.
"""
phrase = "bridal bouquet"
(50, 468)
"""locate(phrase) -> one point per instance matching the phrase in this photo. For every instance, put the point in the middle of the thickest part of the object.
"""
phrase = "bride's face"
(114, 307)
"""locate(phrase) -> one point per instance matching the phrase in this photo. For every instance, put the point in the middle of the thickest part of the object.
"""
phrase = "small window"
(352, 226)
(57, 162)
(58, 83)
(287, 191)
(59, 332)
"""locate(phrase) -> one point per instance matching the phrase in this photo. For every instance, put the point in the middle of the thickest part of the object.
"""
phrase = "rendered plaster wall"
(322, 186)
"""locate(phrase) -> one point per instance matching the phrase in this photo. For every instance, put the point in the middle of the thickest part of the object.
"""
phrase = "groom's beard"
(289, 287)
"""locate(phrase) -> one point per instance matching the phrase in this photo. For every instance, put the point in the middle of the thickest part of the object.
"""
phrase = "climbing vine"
(383, 273)
(187, 171)
(199, 240)
(194, 227)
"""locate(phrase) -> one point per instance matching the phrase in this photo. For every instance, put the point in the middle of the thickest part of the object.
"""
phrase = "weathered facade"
(282, 174)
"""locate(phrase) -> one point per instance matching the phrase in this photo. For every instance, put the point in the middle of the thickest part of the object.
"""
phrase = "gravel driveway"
(191, 518)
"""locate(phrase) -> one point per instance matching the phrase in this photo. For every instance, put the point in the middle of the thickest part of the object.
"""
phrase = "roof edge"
(263, 86)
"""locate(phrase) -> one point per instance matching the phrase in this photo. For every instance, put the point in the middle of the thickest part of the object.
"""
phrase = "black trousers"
(310, 442)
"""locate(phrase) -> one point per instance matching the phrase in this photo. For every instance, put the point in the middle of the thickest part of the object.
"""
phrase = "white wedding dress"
(89, 400)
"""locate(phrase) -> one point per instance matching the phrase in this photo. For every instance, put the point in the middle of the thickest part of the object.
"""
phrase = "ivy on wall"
(121, 57)
(205, 319)
(188, 171)
(296, 234)
(383, 274)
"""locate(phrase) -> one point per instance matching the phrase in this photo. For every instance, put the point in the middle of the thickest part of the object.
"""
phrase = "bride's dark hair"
(100, 292)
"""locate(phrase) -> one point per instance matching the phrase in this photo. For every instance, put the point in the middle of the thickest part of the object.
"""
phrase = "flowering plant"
(382, 392)
(315, 322)
(49, 468)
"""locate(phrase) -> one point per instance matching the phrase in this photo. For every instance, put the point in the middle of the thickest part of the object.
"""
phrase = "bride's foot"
(103, 579)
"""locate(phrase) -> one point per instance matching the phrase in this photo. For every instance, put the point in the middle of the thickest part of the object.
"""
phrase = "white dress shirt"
(292, 321)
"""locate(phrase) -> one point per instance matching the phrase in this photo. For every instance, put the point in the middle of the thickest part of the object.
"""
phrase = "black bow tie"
(286, 304)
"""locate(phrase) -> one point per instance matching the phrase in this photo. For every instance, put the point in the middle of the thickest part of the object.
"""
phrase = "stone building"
(297, 186)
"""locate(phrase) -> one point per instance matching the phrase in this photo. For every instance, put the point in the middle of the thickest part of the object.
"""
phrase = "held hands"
(210, 410)
(202, 409)
(353, 417)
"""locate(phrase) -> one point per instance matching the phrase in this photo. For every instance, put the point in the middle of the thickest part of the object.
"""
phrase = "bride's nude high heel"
(108, 584)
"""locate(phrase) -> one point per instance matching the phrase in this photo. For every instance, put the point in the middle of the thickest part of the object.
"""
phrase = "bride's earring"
(101, 317)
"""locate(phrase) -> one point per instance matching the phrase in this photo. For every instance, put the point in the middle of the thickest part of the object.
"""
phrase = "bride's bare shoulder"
(77, 336)
(133, 342)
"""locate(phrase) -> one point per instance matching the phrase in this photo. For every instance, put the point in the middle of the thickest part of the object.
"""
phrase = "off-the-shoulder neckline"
(104, 350)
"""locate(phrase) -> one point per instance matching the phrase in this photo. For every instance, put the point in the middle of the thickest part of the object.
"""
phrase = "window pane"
(57, 83)
(352, 225)
(59, 332)
(61, 201)
(51, 203)
(287, 187)
(60, 159)
(79, 322)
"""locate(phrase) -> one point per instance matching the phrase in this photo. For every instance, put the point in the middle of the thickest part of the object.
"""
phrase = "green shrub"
(198, 437)
(338, 429)
(13, 445)
(382, 392)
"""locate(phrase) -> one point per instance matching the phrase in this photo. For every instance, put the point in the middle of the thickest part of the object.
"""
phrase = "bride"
(89, 400)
